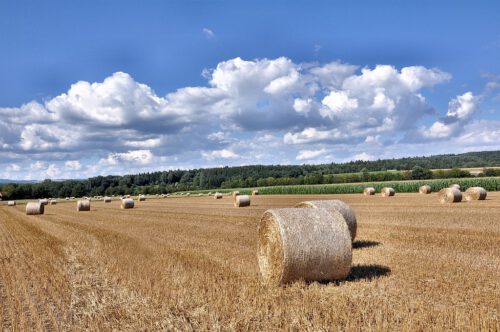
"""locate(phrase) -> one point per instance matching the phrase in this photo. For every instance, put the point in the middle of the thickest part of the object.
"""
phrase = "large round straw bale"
(335, 205)
(188, 194)
(425, 189)
(67, 198)
(142, 198)
(255, 192)
(83, 205)
(455, 186)
(44, 201)
(127, 203)
(217, 196)
(242, 200)
(53, 202)
(107, 199)
(11, 203)
(235, 193)
(475, 194)
(369, 191)
(303, 244)
(449, 195)
(386, 192)
(33, 208)
(71, 198)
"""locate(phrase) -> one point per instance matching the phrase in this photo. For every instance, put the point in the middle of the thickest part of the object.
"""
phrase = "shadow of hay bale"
(368, 272)
(360, 244)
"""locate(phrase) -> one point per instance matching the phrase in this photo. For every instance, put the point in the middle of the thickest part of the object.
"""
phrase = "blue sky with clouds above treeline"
(121, 87)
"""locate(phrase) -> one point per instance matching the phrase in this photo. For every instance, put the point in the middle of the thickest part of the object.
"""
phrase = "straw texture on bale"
(33, 208)
(475, 194)
(142, 198)
(425, 189)
(217, 196)
(449, 195)
(335, 205)
(303, 244)
(107, 199)
(127, 203)
(11, 203)
(369, 191)
(83, 205)
(255, 192)
(44, 201)
(455, 186)
(235, 193)
(53, 202)
(242, 200)
(386, 192)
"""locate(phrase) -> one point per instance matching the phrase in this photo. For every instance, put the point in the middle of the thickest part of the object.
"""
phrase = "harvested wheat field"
(191, 264)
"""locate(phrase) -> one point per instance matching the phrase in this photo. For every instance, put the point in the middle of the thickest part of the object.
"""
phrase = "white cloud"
(313, 135)
(462, 106)
(53, 171)
(13, 168)
(310, 154)
(73, 165)
(302, 105)
(208, 33)
(363, 156)
(38, 165)
(219, 154)
(338, 101)
(139, 157)
(145, 144)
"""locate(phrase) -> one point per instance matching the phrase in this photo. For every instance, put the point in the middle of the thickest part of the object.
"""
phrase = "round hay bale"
(33, 208)
(425, 189)
(235, 193)
(369, 191)
(53, 202)
(475, 194)
(336, 205)
(217, 196)
(71, 198)
(11, 203)
(303, 244)
(44, 201)
(457, 186)
(107, 199)
(142, 198)
(242, 200)
(83, 205)
(188, 194)
(255, 192)
(449, 195)
(387, 192)
(127, 203)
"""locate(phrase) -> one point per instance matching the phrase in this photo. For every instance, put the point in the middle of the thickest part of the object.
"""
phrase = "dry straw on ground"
(217, 196)
(369, 191)
(242, 200)
(449, 195)
(33, 208)
(386, 192)
(11, 203)
(335, 205)
(475, 194)
(142, 198)
(303, 244)
(426, 189)
(127, 203)
(83, 205)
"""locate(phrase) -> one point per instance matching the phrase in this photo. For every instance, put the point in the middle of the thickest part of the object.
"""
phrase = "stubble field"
(190, 264)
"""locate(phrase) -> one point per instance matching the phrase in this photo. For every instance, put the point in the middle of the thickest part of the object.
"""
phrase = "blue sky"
(207, 83)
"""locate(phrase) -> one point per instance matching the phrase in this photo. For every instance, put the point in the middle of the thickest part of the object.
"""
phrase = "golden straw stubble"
(303, 244)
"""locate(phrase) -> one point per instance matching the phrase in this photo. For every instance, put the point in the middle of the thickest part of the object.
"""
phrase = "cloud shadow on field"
(360, 244)
(368, 272)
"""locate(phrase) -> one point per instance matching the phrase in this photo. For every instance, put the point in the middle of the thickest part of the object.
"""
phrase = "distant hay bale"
(235, 193)
(83, 205)
(71, 198)
(33, 208)
(255, 192)
(369, 191)
(303, 244)
(209, 193)
(188, 194)
(475, 194)
(67, 198)
(449, 195)
(217, 196)
(386, 192)
(142, 198)
(11, 203)
(53, 202)
(107, 199)
(242, 200)
(127, 196)
(127, 203)
(44, 201)
(457, 186)
(425, 189)
(335, 205)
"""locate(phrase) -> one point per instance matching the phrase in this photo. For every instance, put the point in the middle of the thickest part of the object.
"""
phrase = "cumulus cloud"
(310, 154)
(363, 156)
(247, 105)
(208, 33)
